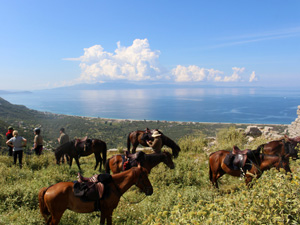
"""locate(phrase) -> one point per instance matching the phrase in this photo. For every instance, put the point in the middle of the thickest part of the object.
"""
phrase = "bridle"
(145, 189)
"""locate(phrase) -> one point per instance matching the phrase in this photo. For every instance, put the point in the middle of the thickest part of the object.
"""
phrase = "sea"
(210, 104)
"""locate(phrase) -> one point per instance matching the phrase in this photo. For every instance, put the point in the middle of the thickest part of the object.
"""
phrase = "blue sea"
(210, 104)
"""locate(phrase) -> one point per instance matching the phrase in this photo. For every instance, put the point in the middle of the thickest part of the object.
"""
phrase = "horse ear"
(235, 147)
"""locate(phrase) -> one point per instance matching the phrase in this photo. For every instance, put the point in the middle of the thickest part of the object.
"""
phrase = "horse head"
(168, 160)
(143, 181)
(291, 144)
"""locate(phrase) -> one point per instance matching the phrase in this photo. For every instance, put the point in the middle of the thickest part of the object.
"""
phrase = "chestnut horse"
(259, 163)
(280, 147)
(136, 137)
(84, 147)
(148, 161)
(54, 200)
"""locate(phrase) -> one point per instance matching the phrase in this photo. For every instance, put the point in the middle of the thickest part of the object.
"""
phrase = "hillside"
(113, 132)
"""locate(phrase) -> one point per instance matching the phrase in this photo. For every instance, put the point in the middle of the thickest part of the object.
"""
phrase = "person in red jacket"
(9, 135)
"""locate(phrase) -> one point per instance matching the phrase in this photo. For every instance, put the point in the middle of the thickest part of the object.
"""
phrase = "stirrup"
(242, 173)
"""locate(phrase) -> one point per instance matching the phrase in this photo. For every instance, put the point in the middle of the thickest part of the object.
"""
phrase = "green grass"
(181, 196)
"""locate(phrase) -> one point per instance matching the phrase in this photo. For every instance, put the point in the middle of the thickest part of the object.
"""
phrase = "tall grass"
(181, 196)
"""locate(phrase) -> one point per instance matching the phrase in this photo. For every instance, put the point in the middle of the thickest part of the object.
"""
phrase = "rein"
(121, 195)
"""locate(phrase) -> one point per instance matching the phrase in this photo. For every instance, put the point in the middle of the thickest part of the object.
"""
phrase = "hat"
(10, 128)
(156, 134)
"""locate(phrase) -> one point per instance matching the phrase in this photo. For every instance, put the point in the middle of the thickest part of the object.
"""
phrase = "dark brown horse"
(258, 164)
(148, 161)
(283, 147)
(136, 137)
(84, 147)
(54, 200)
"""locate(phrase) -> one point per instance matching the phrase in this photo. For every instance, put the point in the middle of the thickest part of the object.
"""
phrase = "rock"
(253, 131)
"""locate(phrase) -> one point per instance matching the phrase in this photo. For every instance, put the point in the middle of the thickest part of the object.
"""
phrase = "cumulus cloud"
(136, 62)
(253, 77)
(195, 73)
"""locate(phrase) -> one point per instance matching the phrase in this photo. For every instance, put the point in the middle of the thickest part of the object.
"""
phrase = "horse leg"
(98, 160)
(77, 162)
(56, 217)
(134, 146)
(106, 216)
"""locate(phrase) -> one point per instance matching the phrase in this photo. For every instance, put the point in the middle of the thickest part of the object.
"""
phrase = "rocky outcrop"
(294, 128)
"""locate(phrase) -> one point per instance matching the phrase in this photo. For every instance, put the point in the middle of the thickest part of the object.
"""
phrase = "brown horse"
(54, 200)
(283, 147)
(258, 164)
(148, 161)
(136, 137)
(84, 147)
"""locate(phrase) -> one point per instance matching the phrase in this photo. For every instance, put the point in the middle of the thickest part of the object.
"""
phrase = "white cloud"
(235, 76)
(253, 77)
(195, 73)
(136, 62)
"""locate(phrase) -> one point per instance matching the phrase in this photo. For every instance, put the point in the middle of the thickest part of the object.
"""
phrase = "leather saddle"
(132, 160)
(237, 158)
(83, 144)
(93, 188)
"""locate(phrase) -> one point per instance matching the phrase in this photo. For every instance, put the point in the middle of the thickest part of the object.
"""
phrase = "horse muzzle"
(148, 191)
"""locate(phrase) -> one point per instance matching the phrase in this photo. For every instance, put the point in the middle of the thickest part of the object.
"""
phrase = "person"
(156, 144)
(9, 135)
(63, 138)
(17, 143)
(38, 141)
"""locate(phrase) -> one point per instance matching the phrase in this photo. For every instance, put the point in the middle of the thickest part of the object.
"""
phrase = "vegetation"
(181, 196)
(113, 132)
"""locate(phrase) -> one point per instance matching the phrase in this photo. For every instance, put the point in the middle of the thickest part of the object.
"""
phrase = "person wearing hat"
(17, 143)
(9, 135)
(156, 144)
(38, 141)
(63, 138)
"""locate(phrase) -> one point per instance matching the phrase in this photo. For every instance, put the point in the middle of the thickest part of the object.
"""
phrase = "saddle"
(237, 158)
(83, 144)
(92, 189)
(133, 159)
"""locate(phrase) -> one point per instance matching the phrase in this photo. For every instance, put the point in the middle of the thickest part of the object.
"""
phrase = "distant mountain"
(14, 92)
(129, 85)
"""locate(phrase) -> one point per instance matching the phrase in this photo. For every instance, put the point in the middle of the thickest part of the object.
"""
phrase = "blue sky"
(46, 44)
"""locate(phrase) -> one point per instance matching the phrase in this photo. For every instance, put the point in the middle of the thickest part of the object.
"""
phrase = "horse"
(257, 161)
(280, 147)
(54, 200)
(148, 161)
(84, 147)
(136, 137)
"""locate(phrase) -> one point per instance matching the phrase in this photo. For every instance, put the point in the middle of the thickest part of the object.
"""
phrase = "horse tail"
(107, 168)
(128, 142)
(43, 208)
(210, 173)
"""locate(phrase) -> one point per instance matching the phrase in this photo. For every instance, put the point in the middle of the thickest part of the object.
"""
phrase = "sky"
(48, 44)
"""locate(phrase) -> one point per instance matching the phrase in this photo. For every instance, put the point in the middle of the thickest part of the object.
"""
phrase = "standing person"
(156, 144)
(17, 143)
(63, 138)
(38, 141)
(9, 135)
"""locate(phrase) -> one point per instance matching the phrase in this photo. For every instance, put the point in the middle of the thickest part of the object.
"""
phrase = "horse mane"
(169, 142)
